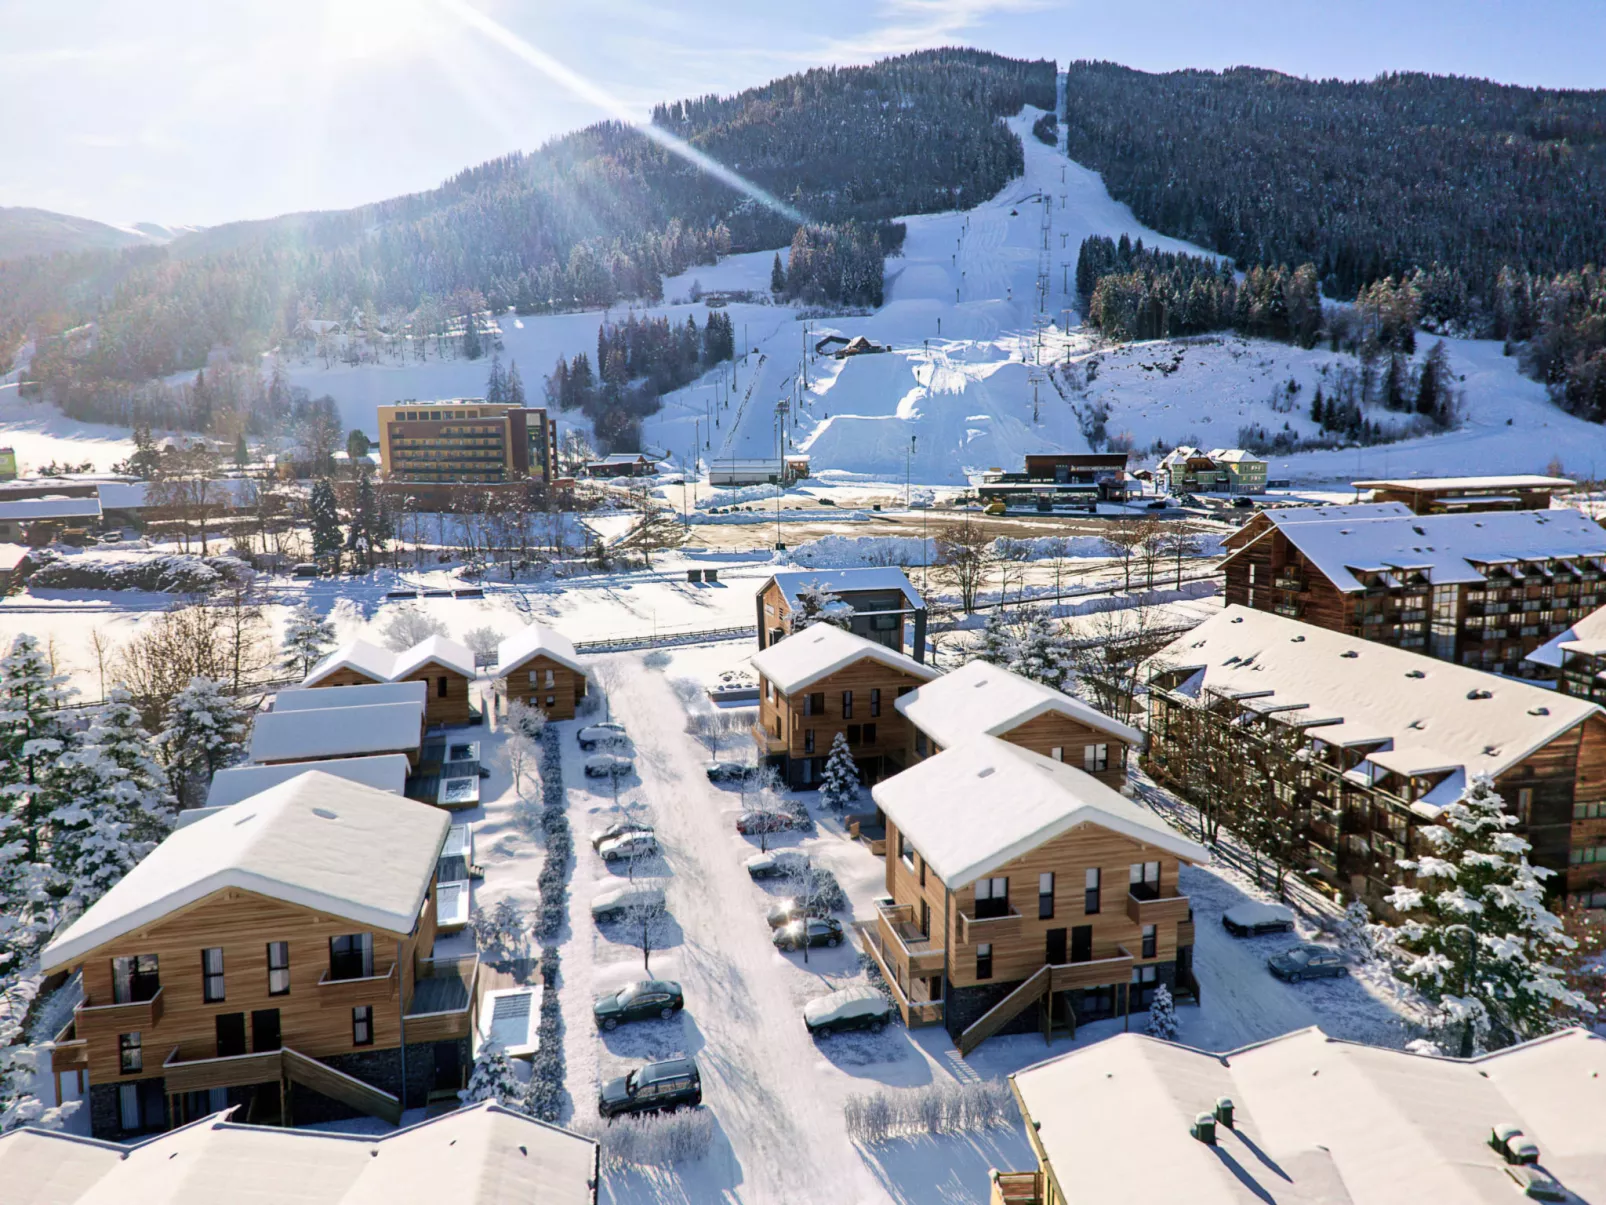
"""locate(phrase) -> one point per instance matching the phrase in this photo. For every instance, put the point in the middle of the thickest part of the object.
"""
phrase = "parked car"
(851, 1008)
(608, 765)
(631, 845)
(784, 912)
(729, 771)
(1307, 962)
(1242, 503)
(657, 1087)
(816, 931)
(639, 1001)
(1157, 504)
(612, 904)
(305, 569)
(619, 828)
(762, 822)
(606, 733)
(775, 863)
(1252, 919)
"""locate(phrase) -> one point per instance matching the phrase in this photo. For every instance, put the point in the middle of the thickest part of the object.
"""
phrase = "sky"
(201, 112)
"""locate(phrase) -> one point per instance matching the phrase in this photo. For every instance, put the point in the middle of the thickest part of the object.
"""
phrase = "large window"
(1145, 880)
(130, 1055)
(847, 704)
(278, 968)
(984, 961)
(212, 989)
(1090, 893)
(362, 1025)
(1095, 758)
(875, 701)
(992, 897)
(351, 956)
(1045, 896)
(134, 978)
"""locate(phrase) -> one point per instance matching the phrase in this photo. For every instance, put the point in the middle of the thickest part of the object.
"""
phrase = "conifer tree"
(368, 530)
(1040, 652)
(496, 382)
(820, 604)
(515, 386)
(839, 780)
(324, 515)
(1163, 1015)
(473, 349)
(308, 638)
(205, 732)
(777, 275)
(998, 643)
(493, 1079)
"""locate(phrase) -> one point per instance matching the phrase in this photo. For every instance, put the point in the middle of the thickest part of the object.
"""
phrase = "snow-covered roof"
(12, 555)
(1234, 456)
(982, 698)
(122, 495)
(979, 805)
(840, 581)
(308, 698)
(26, 509)
(1588, 635)
(1444, 547)
(336, 732)
(317, 841)
(1285, 516)
(383, 772)
(481, 1154)
(535, 640)
(1481, 722)
(367, 659)
(1520, 481)
(436, 649)
(1316, 1121)
(805, 657)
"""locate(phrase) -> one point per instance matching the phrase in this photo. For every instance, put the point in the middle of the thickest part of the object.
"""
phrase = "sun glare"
(376, 29)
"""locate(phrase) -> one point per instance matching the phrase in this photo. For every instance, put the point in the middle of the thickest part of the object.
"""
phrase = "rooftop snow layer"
(838, 581)
(536, 640)
(1282, 516)
(369, 660)
(317, 841)
(26, 509)
(1317, 1120)
(384, 772)
(1482, 722)
(437, 650)
(805, 657)
(1588, 635)
(310, 698)
(336, 732)
(981, 698)
(977, 806)
(1516, 481)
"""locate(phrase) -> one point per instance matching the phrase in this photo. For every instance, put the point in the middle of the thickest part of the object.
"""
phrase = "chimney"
(1204, 1128)
(1224, 1110)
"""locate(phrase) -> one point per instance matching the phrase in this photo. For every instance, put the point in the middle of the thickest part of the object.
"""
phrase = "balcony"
(1017, 1188)
(973, 929)
(69, 1052)
(768, 743)
(902, 935)
(1289, 610)
(1157, 911)
(200, 1073)
(907, 960)
(1288, 581)
(445, 1002)
(99, 1020)
(336, 991)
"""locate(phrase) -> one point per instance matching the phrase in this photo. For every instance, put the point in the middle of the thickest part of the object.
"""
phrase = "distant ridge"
(25, 231)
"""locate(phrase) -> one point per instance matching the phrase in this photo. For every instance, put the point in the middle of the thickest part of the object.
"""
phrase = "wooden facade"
(879, 615)
(1057, 736)
(448, 703)
(1465, 495)
(347, 676)
(857, 701)
(555, 688)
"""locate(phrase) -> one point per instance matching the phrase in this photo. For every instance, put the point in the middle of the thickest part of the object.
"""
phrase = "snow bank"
(160, 574)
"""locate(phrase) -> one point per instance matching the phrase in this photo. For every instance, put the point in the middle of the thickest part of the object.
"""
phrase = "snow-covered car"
(613, 903)
(639, 1001)
(775, 863)
(607, 765)
(762, 822)
(1307, 962)
(816, 931)
(631, 845)
(859, 1007)
(1252, 918)
(608, 732)
(729, 771)
(669, 1085)
(784, 912)
(619, 828)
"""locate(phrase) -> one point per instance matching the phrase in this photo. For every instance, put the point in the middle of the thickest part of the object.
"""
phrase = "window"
(847, 704)
(1095, 758)
(212, 975)
(1090, 894)
(855, 734)
(1585, 855)
(875, 701)
(920, 744)
(1145, 880)
(134, 978)
(1045, 895)
(906, 851)
(362, 1025)
(1525, 805)
(814, 704)
(128, 1107)
(351, 956)
(1144, 981)
(869, 734)
(1150, 941)
(440, 687)
(903, 690)
(984, 961)
(1057, 752)
(551, 680)
(992, 897)
(129, 1055)
(1589, 811)
(808, 740)
(278, 968)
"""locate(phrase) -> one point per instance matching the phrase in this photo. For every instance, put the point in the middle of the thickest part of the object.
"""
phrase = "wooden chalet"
(539, 668)
(1358, 746)
(448, 669)
(356, 663)
(822, 681)
(982, 699)
(1464, 495)
(278, 956)
(882, 601)
(1024, 894)
(315, 734)
(1480, 589)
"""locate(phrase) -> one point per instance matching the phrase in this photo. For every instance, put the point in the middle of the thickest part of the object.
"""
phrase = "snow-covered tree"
(308, 638)
(820, 604)
(999, 644)
(370, 524)
(1040, 652)
(1162, 1015)
(205, 732)
(522, 745)
(493, 1079)
(1475, 937)
(407, 626)
(19, 1063)
(839, 780)
(483, 642)
(1355, 931)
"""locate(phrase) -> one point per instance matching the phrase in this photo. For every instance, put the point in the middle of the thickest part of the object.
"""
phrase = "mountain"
(39, 232)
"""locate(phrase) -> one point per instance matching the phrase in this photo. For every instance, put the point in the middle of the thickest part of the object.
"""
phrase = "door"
(1054, 954)
(1082, 943)
(265, 1029)
(448, 1066)
(925, 918)
(230, 1034)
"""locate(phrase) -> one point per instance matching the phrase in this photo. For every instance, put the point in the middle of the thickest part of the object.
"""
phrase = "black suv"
(657, 1087)
(822, 931)
(639, 1001)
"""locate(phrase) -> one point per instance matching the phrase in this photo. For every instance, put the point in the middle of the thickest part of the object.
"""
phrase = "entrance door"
(1054, 954)
(1082, 943)
(230, 1034)
(448, 1066)
(265, 1029)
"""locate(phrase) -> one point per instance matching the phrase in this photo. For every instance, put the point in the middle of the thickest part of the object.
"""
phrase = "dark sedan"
(817, 931)
(643, 1000)
(1307, 962)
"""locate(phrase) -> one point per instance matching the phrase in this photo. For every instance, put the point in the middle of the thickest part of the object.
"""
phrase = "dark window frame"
(1090, 895)
(130, 1054)
(214, 986)
(875, 700)
(1045, 899)
(847, 704)
(984, 960)
(362, 1025)
(279, 968)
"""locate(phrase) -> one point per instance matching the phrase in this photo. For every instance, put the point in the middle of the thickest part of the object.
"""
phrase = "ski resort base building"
(1337, 751)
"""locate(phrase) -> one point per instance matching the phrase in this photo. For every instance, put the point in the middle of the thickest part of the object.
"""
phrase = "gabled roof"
(980, 698)
(336, 732)
(482, 1154)
(978, 806)
(1522, 481)
(309, 698)
(367, 659)
(845, 581)
(1287, 516)
(1485, 723)
(1588, 635)
(536, 640)
(317, 841)
(382, 772)
(437, 649)
(816, 652)
(1316, 1121)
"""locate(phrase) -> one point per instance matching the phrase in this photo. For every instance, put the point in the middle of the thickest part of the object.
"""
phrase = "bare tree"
(180, 644)
(1122, 541)
(102, 650)
(657, 528)
(964, 559)
(647, 923)
(1107, 657)
(407, 626)
(1178, 544)
(483, 642)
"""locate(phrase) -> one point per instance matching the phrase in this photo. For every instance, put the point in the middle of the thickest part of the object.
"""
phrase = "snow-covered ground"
(41, 434)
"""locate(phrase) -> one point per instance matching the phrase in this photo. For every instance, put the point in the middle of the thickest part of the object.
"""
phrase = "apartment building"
(1187, 470)
(459, 441)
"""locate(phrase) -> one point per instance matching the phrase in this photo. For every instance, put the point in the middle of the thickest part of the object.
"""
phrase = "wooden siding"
(785, 725)
(454, 709)
(1052, 731)
(558, 700)
(345, 676)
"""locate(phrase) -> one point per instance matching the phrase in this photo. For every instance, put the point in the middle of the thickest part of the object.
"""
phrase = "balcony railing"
(908, 946)
(202, 1073)
(69, 1052)
(1100, 972)
(973, 929)
(1157, 911)
(1017, 1188)
(445, 1001)
(911, 993)
(94, 1019)
(358, 990)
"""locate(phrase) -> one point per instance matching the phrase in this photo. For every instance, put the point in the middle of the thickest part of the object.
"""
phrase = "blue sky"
(204, 111)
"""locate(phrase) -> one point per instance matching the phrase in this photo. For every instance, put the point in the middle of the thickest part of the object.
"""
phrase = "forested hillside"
(586, 220)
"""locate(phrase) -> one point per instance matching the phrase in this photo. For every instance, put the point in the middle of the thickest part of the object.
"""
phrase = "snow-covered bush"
(657, 659)
(1355, 931)
(933, 1109)
(543, 1099)
(407, 626)
(654, 1141)
(173, 574)
(1162, 1015)
(493, 1079)
(503, 929)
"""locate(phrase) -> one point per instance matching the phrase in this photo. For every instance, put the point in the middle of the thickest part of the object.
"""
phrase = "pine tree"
(820, 604)
(1355, 931)
(325, 520)
(308, 638)
(357, 445)
(205, 732)
(998, 643)
(496, 383)
(19, 1063)
(839, 780)
(1163, 1015)
(473, 349)
(515, 386)
(1317, 415)
(1476, 937)
(242, 454)
(777, 275)
(493, 1079)
(368, 530)
(1040, 652)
